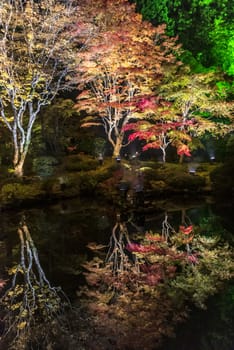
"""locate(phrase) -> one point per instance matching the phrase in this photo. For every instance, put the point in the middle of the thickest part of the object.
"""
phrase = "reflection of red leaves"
(186, 230)
(154, 238)
(192, 258)
(183, 150)
(139, 248)
(155, 273)
(152, 279)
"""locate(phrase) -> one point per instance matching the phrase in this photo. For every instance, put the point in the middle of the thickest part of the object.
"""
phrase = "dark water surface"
(62, 231)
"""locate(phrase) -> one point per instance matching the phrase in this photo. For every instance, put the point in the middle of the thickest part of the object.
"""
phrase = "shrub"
(79, 162)
(18, 192)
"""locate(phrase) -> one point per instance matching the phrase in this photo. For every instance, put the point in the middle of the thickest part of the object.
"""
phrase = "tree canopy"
(122, 63)
(204, 27)
(33, 64)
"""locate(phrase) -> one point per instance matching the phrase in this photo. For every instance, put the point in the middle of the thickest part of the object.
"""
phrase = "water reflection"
(29, 303)
(162, 275)
(62, 232)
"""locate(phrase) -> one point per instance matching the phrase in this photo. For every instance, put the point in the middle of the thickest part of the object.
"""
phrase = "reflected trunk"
(30, 303)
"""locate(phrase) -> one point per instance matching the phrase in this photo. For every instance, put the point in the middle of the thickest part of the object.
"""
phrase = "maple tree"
(33, 64)
(122, 63)
(198, 97)
(190, 105)
(159, 134)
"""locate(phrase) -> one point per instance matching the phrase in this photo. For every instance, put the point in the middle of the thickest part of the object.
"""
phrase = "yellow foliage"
(22, 325)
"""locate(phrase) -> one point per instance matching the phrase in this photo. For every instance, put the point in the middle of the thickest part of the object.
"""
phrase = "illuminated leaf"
(21, 325)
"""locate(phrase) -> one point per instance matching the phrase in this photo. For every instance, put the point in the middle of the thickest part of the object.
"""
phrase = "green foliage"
(44, 166)
(222, 37)
(99, 146)
(186, 182)
(215, 265)
(188, 58)
(201, 99)
(89, 181)
(57, 124)
(174, 178)
(198, 25)
(80, 162)
(17, 192)
(151, 10)
(224, 89)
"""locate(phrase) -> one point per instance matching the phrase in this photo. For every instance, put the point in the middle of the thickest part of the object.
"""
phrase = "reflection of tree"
(30, 304)
(116, 255)
(167, 229)
(143, 287)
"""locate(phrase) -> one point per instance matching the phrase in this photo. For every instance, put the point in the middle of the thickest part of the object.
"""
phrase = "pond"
(62, 231)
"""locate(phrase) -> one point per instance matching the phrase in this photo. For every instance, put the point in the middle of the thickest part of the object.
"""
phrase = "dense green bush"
(16, 192)
(78, 162)
(173, 177)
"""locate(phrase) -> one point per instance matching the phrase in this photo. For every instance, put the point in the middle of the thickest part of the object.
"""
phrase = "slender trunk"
(118, 145)
(163, 154)
(181, 158)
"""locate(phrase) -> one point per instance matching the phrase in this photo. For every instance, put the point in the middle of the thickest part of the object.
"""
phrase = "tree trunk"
(18, 170)
(118, 145)
(19, 162)
(181, 158)
(163, 154)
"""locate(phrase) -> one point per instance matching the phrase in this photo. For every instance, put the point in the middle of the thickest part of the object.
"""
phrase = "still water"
(62, 231)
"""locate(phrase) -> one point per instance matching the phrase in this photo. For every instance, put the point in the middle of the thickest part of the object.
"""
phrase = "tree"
(161, 128)
(122, 64)
(222, 37)
(160, 135)
(58, 127)
(198, 97)
(35, 58)
(192, 21)
(190, 106)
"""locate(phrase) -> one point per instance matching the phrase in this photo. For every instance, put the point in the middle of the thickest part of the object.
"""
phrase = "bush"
(186, 182)
(44, 166)
(18, 192)
(80, 162)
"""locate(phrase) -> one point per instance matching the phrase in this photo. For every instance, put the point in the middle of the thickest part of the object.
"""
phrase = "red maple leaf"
(146, 103)
(183, 149)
